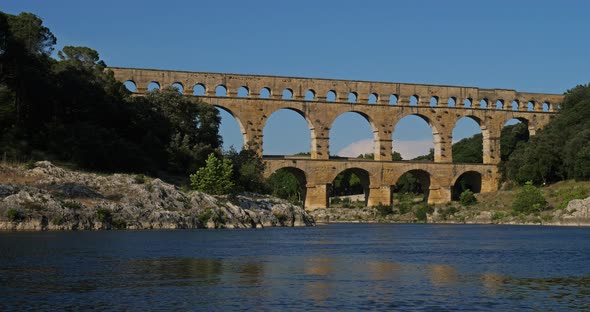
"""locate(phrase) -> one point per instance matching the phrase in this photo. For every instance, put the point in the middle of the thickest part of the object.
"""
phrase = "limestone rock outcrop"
(577, 212)
(47, 197)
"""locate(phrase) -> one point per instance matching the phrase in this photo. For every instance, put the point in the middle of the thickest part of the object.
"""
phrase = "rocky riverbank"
(47, 197)
(577, 213)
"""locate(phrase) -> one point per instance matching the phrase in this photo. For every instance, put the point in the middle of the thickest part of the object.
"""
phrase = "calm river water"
(336, 267)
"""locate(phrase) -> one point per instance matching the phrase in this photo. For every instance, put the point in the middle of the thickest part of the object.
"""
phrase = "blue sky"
(534, 46)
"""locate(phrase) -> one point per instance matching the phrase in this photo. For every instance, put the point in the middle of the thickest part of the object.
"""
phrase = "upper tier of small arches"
(342, 91)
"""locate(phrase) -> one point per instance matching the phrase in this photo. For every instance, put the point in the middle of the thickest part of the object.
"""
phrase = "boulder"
(577, 212)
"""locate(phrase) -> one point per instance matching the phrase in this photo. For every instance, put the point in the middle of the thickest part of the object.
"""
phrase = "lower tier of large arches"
(441, 181)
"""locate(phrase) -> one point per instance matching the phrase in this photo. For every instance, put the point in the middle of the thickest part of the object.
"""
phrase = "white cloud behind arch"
(408, 149)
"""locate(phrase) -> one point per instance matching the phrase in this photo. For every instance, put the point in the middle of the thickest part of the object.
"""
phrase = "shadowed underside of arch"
(470, 180)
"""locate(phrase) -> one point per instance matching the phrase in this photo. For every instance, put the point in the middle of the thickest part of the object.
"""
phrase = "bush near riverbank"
(42, 196)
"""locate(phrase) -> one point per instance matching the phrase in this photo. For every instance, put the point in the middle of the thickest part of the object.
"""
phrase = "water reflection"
(492, 282)
(382, 270)
(318, 266)
(317, 285)
(442, 275)
(339, 267)
(179, 270)
(251, 273)
(568, 292)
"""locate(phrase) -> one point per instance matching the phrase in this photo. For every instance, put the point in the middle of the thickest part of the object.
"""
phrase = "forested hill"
(562, 150)
(559, 152)
(72, 110)
(469, 150)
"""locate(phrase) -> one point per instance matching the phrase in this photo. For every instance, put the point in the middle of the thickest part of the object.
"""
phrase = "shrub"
(467, 198)
(119, 224)
(529, 199)
(205, 216)
(215, 177)
(404, 207)
(14, 215)
(445, 213)
(139, 179)
(104, 215)
(498, 215)
(422, 211)
(384, 210)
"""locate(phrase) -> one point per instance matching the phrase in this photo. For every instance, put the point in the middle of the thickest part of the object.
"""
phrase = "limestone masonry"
(321, 101)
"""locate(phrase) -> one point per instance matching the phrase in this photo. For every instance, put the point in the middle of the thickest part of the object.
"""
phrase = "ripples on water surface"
(338, 267)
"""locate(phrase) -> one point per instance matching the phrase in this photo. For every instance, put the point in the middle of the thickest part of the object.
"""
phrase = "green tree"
(74, 110)
(82, 55)
(469, 150)
(582, 164)
(347, 183)
(215, 177)
(557, 152)
(396, 156)
(511, 138)
(28, 30)
(284, 184)
(24, 67)
(467, 198)
(428, 157)
(248, 170)
(529, 199)
(192, 128)
(408, 183)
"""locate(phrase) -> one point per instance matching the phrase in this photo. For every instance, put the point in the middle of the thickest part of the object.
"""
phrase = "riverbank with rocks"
(490, 208)
(43, 196)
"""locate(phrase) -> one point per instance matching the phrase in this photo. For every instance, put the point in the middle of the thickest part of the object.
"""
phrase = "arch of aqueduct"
(327, 99)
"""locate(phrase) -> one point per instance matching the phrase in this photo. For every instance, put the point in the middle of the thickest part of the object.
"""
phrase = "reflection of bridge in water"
(252, 99)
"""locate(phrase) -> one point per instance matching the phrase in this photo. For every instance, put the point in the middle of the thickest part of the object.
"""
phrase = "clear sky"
(534, 46)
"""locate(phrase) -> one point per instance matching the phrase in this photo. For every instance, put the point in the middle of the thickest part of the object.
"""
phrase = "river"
(336, 267)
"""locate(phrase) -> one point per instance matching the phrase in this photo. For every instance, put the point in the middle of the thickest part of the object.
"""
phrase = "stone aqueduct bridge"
(321, 101)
